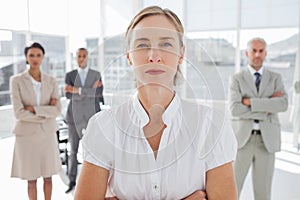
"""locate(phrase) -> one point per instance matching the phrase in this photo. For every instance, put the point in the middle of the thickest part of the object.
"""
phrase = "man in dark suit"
(256, 97)
(84, 90)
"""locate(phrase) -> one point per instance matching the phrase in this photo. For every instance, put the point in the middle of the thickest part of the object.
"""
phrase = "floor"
(286, 183)
(16, 189)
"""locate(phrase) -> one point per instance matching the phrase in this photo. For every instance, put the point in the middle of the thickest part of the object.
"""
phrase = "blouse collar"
(173, 110)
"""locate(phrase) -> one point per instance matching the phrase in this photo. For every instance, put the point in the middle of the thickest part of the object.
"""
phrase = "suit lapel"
(88, 78)
(264, 81)
(44, 89)
(77, 81)
(29, 86)
(249, 80)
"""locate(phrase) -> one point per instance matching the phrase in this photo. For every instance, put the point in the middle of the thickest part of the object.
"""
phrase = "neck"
(256, 68)
(155, 95)
(83, 67)
(35, 74)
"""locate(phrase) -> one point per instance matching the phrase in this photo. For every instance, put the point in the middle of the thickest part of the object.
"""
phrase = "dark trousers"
(74, 144)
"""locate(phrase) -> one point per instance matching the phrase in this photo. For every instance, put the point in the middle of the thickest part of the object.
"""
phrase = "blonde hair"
(156, 10)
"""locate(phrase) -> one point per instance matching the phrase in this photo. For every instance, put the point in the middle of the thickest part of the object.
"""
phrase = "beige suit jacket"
(22, 94)
(262, 107)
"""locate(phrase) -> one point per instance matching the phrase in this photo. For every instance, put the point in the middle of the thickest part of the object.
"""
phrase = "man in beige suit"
(256, 96)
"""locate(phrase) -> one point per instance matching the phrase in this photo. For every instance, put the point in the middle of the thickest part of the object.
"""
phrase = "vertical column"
(238, 30)
(184, 65)
(28, 32)
(68, 55)
(296, 93)
(101, 35)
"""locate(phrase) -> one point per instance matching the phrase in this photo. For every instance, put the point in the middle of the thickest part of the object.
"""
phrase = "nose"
(257, 54)
(154, 56)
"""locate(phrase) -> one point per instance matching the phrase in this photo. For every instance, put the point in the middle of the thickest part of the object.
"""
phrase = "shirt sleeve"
(220, 144)
(98, 141)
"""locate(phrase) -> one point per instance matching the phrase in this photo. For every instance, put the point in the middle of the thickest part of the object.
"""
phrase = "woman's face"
(154, 51)
(34, 57)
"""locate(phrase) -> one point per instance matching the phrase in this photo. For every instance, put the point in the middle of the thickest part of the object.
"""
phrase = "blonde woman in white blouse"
(157, 145)
(36, 105)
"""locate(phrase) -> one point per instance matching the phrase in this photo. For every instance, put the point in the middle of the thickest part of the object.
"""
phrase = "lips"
(155, 71)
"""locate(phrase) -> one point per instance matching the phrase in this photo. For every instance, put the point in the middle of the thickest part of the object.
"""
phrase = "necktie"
(257, 81)
(82, 76)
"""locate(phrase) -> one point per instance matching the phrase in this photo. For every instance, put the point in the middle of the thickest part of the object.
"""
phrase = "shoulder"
(194, 106)
(48, 78)
(94, 72)
(73, 72)
(103, 114)
(210, 123)
(103, 120)
(272, 73)
(198, 116)
(100, 125)
(15, 78)
(240, 73)
(204, 112)
(18, 77)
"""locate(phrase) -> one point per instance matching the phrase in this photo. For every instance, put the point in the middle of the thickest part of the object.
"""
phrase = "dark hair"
(82, 49)
(34, 45)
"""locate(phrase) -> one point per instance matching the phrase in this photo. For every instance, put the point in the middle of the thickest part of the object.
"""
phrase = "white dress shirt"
(82, 72)
(195, 140)
(37, 90)
(253, 71)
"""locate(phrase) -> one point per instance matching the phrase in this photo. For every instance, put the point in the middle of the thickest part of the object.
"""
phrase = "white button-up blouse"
(195, 140)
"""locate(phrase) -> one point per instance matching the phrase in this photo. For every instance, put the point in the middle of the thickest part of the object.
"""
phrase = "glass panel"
(208, 15)
(220, 49)
(12, 59)
(275, 13)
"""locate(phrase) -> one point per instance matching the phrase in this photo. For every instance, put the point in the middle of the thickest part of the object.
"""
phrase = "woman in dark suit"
(36, 104)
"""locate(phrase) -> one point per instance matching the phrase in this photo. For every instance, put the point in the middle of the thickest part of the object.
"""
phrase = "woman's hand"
(197, 195)
(30, 109)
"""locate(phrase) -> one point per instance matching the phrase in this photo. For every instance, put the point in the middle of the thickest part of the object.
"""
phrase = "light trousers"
(254, 153)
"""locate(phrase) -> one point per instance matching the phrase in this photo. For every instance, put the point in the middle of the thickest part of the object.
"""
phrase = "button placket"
(155, 184)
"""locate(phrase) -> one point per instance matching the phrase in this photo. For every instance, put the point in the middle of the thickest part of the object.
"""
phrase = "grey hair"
(255, 39)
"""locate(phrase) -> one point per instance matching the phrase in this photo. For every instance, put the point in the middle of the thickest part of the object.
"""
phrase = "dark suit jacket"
(82, 106)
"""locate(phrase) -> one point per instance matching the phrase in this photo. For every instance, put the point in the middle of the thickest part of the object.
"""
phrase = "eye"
(142, 45)
(31, 55)
(166, 44)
